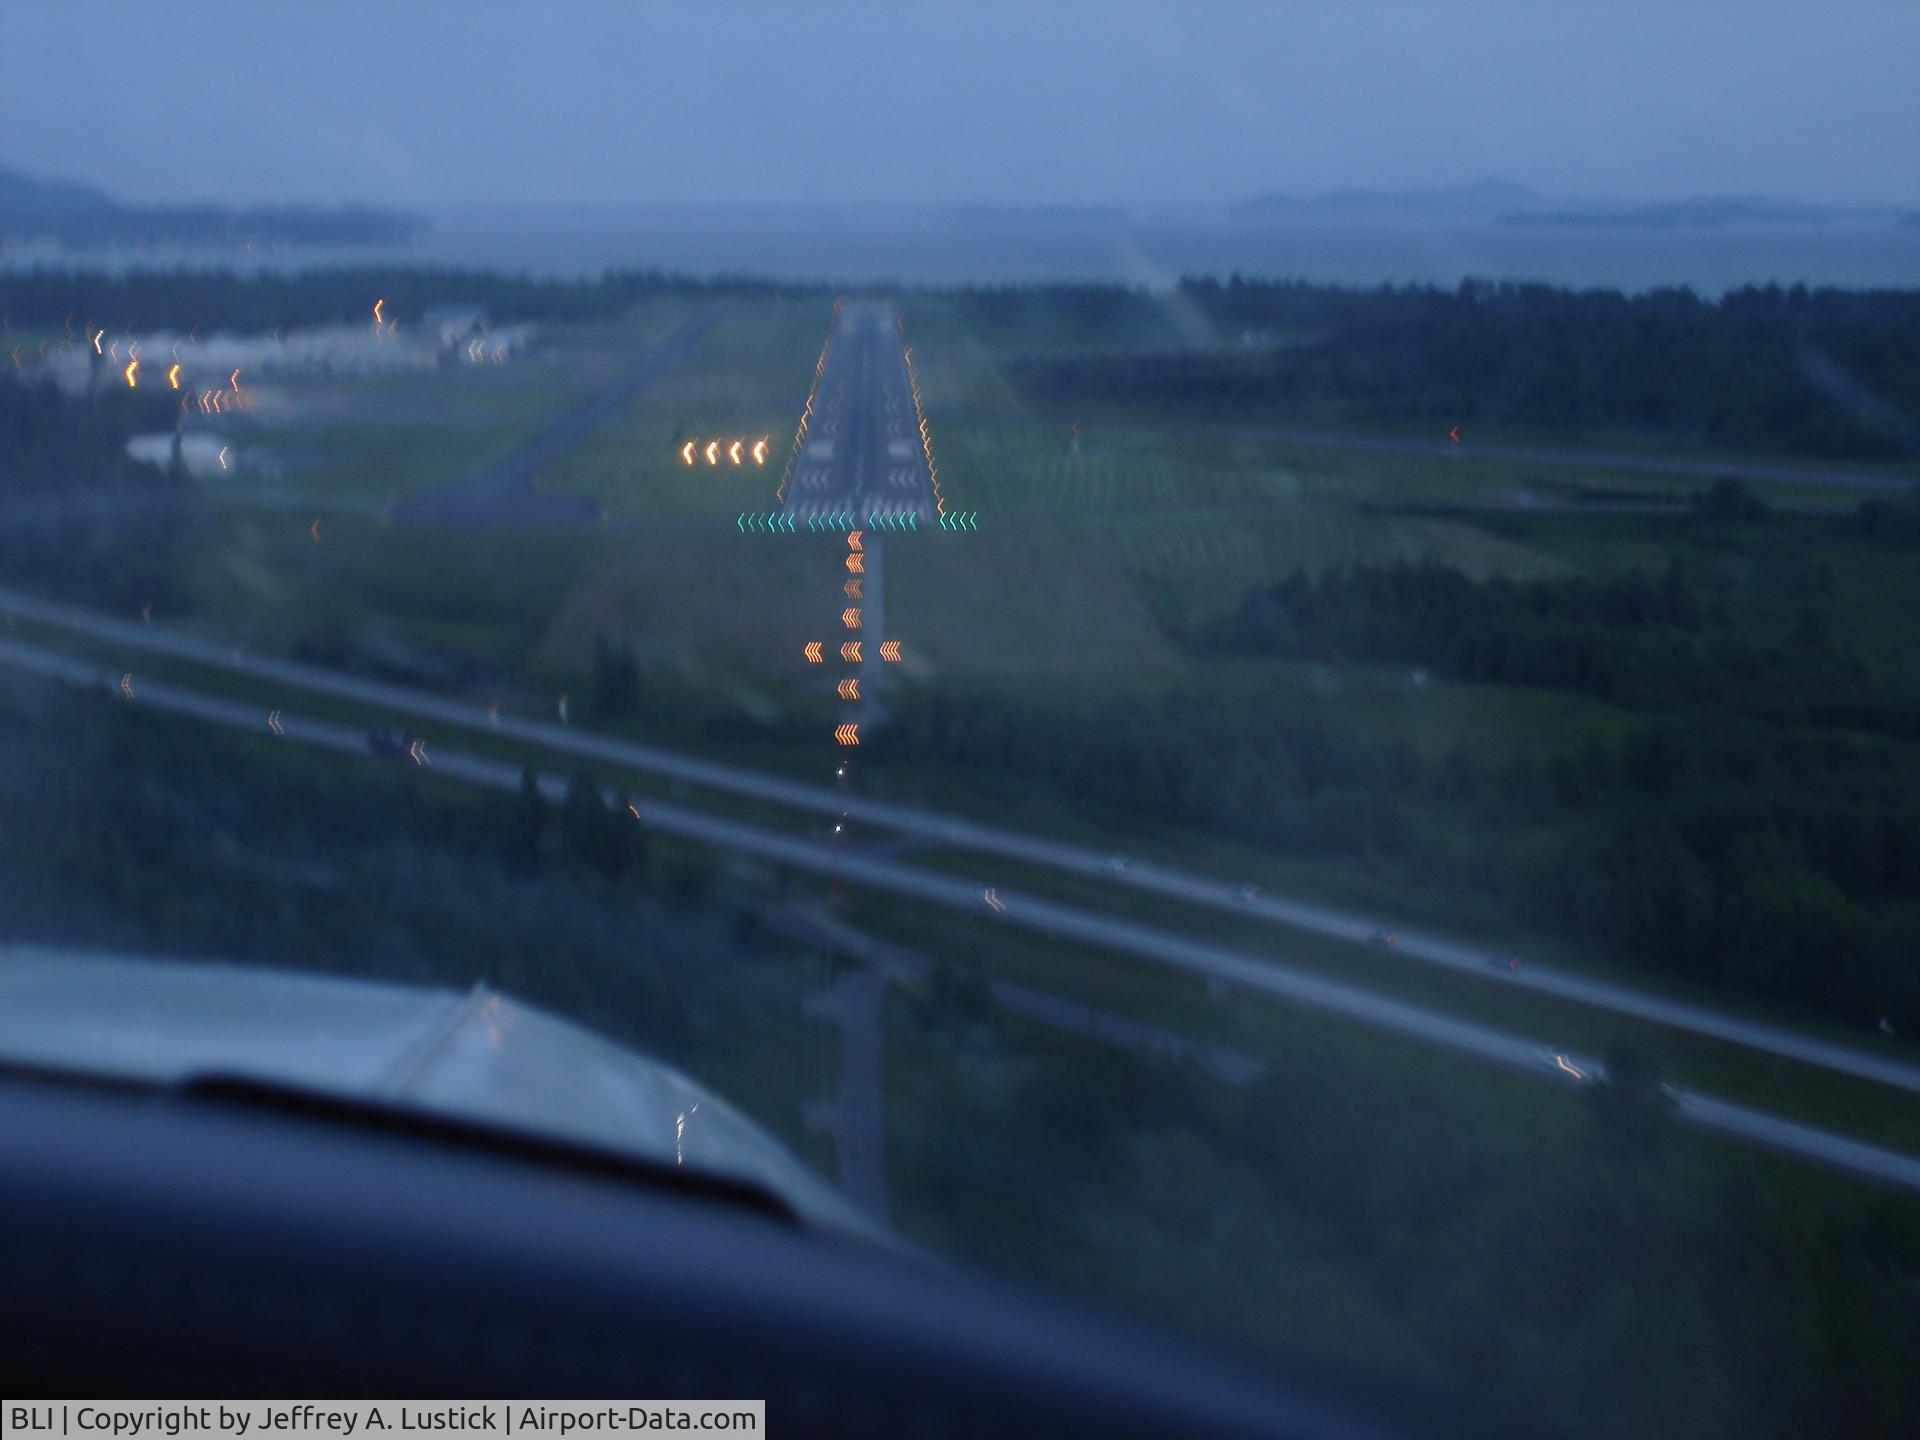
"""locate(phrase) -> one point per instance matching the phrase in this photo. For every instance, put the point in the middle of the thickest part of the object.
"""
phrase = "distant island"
(1505, 202)
(1729, 211)
(1479, 199)
(75, 214)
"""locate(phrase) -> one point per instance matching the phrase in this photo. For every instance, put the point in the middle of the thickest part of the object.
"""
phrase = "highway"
(932, 828)
(1050, 918)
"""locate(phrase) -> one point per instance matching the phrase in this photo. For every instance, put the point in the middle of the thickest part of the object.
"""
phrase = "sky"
(432, 105)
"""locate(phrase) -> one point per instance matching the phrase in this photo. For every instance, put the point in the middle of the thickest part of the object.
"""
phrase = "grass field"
(1093, 563)
(386, 437)
(262, 577)
(747, 380)
(1139, 988)
(1157, 1191)
(1250, 1022)
(1104, 543)
(966, 365)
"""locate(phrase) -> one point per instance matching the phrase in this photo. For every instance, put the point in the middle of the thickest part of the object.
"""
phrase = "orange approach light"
(173, 375)
(733, 451)
(890, 651)
(686, 452)
(713, 451)
(849, 689)
(847, 734)
(813, 652)
(857, 564)
(760, 451)
(852, 589)
(850, 652)
(850, 617)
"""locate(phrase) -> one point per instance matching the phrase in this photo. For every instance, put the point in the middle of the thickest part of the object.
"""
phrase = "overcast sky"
(440, 105)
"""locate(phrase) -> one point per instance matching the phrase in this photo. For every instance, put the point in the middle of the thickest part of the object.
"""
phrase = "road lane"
(929, 827)
(1050, 918)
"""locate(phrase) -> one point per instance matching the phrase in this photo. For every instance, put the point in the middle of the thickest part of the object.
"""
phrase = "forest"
(1770, 370)
(77, 516)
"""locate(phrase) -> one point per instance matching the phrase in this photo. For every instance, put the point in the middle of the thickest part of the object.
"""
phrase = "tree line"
(1817, 372)
(180, 299)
